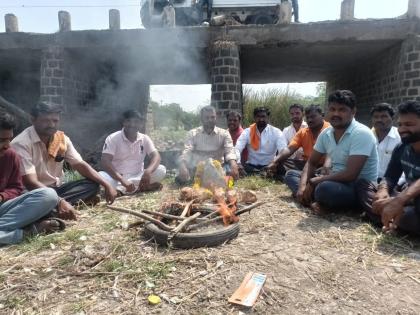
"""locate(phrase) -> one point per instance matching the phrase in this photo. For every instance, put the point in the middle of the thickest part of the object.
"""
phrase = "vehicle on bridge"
(195, 12)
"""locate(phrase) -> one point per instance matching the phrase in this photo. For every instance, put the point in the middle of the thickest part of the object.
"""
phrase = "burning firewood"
(201, 194)
(228, 214)
(247, 196)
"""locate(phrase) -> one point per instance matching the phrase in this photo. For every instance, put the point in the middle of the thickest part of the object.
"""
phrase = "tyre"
(144, 15)
(262, 19)
(193, 240)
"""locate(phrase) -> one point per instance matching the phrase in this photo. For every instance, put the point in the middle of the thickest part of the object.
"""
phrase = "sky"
(40, 16)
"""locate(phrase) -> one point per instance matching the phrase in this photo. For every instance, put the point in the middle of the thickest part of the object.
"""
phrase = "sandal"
(45, 226)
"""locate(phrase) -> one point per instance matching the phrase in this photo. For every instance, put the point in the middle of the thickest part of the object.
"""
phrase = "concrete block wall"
(63, 80)
(392, 77)
(226, 83)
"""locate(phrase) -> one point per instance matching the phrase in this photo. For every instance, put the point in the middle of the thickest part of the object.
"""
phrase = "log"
(187, 208)
(249, 208)
(219, 218)
(183, 225)
(22, 116)
(166, 215)
(162, 225)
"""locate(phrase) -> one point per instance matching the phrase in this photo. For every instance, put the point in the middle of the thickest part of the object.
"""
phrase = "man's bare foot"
(317, 209)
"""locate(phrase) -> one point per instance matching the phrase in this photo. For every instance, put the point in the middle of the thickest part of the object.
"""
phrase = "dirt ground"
(337, 264)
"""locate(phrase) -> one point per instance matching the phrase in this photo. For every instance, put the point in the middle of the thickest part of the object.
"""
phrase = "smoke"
(119, 76)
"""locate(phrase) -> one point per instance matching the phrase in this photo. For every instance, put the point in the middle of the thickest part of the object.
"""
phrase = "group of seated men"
(328, 166)
(33, 195)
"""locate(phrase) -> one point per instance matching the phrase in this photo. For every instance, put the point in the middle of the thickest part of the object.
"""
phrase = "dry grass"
(314, 265)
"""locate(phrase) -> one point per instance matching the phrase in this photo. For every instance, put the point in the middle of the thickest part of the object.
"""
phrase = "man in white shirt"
(123, 158)
(262, 140)
(387, 136)
(296, 117)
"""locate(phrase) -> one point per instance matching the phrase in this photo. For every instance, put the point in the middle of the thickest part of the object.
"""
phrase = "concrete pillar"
(11, 23)
(52, 75)
(114, 19)
(226, 82)
(347, 10)
(413, 8)
(409, 76)
(64, 21)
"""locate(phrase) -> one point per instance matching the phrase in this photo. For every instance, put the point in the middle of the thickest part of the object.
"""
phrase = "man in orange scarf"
(262, 140)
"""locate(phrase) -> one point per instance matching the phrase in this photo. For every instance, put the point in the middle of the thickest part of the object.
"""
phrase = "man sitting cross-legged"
(296, 112)
(387, 135)
(202, 143)
(351, 147)
(305, 138)
(123, 158)
(382, 204)
(43, 150)
(262, 141)
(20, 213)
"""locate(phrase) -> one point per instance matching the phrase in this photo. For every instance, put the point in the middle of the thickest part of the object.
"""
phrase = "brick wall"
(226, 83)
(393, 76)
(64, 80)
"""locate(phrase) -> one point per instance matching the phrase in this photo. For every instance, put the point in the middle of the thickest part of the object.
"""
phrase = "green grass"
(254, 183)
(385, 240)
(114, 265)
(72, 176)
(13, 302)
(278, 101)
(42, 242)
(168, 135)
(65, 261)
(157, 270)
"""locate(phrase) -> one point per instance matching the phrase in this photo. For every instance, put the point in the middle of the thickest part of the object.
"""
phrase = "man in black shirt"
(382, 204)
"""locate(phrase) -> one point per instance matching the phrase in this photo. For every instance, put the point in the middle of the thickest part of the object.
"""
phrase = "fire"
(227, 211)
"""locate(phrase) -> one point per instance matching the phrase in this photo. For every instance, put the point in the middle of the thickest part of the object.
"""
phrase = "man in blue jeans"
(383, 205)
(21, 215)
(351, 146)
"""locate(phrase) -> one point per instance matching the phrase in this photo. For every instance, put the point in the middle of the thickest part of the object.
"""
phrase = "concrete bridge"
(98, 72)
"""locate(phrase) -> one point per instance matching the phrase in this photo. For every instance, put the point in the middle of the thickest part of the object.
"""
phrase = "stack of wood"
(197, 208)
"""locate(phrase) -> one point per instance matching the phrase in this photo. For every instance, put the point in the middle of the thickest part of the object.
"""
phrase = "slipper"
(41, 227)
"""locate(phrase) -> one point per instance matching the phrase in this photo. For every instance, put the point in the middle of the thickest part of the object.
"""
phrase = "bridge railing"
(64, 18)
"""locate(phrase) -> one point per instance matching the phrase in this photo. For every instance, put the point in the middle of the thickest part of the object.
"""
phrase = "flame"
(227, 211)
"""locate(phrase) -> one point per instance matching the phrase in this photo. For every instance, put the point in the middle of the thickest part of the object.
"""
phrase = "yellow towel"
(57, 145)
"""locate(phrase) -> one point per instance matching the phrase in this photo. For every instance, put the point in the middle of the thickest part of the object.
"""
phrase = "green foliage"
(42, 242)
(278, 101)
(173, 117)
(71, 176)
(254, 183)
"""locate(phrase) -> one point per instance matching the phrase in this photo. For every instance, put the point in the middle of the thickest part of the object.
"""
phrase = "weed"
(113, 265)
(157, 270)
(254, 182)
(65, 261)
(72, 176)
(42, 242)
(13, 302)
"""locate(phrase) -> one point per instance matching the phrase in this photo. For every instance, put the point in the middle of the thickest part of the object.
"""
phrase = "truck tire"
(193, 240)
(144, 15)
(262, 19)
